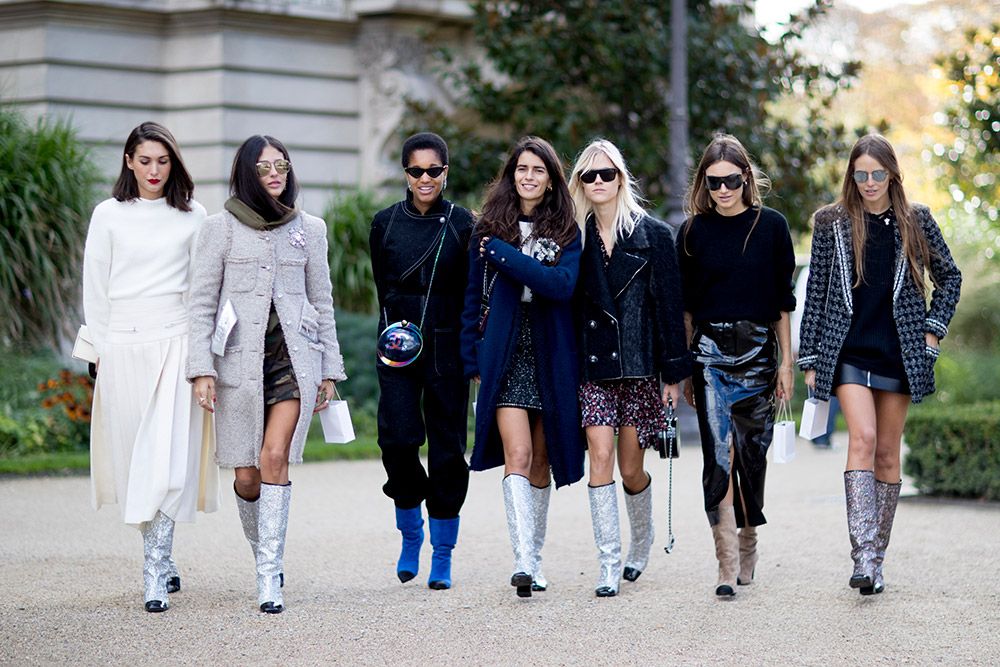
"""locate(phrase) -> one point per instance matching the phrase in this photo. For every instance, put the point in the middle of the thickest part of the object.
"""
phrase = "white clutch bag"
(83, 347)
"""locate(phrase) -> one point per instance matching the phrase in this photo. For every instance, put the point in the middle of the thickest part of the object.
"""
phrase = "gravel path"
(70, 583)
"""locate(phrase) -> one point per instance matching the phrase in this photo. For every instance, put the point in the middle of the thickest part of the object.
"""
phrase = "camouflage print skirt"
(279, 376)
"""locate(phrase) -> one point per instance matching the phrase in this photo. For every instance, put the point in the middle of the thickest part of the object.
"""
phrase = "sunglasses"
(862, 176)
(732, 181)
(607, 175)
(418, 172)
(280, 166)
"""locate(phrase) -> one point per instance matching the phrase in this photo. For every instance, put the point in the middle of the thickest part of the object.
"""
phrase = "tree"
(572, 70)
(47, 189)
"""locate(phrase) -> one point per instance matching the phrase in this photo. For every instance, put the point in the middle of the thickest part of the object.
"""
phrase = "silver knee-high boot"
(607, 537)
(886, 498)
(272, 524)
(173, 576)
(520, 524)
(640, 519)
(859, 489)
(157, 544)
(540, 511)
(249, 519)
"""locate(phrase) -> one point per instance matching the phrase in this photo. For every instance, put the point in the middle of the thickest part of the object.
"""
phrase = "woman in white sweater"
(151, 447)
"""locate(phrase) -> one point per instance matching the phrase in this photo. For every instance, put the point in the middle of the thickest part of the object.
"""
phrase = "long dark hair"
(244, 184)
(179, 188)
(553, 216)
(914, 244)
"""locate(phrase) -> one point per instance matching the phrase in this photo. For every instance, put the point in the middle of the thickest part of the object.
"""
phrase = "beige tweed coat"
(250, 268)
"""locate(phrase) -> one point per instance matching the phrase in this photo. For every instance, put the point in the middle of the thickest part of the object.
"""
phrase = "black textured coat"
(829, 303)
(631, 314)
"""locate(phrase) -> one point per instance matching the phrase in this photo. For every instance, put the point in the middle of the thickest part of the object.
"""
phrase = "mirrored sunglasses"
(280, 166)
(418, 172)
(731, 181)
(862, 176)
(607, 175)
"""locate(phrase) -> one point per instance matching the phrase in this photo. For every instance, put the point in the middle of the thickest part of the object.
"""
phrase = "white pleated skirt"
(151, 446)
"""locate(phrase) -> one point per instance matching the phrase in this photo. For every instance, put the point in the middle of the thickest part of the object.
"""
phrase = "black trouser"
(734, 381)
(417, 402)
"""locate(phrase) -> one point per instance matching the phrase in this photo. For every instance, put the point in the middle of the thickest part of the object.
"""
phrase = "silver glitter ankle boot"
(859, 489)
(886, 498)
(607, 537)
(157, 543)
(520, 524)
(640, 519)
(272, 524)
(540, 512)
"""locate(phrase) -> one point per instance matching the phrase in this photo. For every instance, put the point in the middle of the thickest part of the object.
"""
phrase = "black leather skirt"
(848, 374)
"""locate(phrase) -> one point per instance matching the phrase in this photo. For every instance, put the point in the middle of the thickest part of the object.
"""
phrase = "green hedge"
(955, 450)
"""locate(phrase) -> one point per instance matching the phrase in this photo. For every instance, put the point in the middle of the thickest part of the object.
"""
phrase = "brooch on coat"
(297, 237)
(545, 251)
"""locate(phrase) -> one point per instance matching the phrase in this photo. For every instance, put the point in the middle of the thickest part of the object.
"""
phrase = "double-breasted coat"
(826, 319)
(488, 353)
(251, 268)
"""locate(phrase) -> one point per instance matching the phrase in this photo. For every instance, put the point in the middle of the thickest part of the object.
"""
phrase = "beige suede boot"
(727, 551)
(748, 555)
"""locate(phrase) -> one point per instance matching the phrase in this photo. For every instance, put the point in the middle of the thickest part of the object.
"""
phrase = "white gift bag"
(783, 442)
(814, 417)
(336, 421)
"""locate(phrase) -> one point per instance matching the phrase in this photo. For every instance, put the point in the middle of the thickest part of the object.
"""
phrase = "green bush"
(348, 219)
(357, 333)
(954, 450)
(47, 190)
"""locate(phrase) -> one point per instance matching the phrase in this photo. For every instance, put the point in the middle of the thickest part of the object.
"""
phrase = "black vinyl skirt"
(848, 374)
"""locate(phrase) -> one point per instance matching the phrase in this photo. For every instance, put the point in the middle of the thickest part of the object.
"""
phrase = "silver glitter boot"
(640, 519)
(157, 543)
(540, 511)
(607, 537)
(173, 576)
(859, 489)
(886, 498)
(249, 519)
(272, 524)
(520, 524)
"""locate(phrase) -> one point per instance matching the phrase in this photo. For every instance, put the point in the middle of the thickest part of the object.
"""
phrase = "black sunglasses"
(732, 181)
(418, 172)
(862, 176)
(607, 175)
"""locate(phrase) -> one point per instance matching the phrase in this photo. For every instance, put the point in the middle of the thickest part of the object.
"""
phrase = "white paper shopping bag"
(783, 443)
(814, 417)
(336, 421)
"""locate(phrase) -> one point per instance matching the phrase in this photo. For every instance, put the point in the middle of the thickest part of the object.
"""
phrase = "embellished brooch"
(545, 251)
(297, 237)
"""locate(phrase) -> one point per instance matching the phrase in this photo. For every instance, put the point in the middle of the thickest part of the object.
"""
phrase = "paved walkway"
(70, 583)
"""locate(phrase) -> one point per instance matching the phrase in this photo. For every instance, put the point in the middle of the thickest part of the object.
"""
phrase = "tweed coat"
(631, 315)
(829, 305)
(251, 268)
(488, 353)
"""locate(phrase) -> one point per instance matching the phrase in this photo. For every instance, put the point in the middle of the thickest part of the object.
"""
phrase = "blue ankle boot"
(411, 524)
(444, 534)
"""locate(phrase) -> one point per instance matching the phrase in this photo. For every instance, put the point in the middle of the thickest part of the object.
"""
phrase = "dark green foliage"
(348, 220)
(357, 334)
(571, 71)
(47, 191)
(955, 450)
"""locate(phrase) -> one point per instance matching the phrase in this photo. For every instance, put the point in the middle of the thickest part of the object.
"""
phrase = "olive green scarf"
(251, 218)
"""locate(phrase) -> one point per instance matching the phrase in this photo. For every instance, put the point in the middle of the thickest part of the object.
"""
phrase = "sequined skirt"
(519, 386)
(629, 402)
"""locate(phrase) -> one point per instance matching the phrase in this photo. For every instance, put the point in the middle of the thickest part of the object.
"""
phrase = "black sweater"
(725, 283)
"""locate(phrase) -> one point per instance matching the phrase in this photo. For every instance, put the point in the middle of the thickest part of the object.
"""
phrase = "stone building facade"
(327, 77)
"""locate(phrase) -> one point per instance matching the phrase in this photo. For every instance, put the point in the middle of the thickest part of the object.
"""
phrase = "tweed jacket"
(829, 307)
(251, 269)
(632, 313)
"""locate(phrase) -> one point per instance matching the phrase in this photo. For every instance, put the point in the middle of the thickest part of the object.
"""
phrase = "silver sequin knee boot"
(249, 519)
(540, 512)
(886, 498)
(859, 489)
(157, 544)
(521, 525)
(272, 525)
(607, 537)
(640, 519)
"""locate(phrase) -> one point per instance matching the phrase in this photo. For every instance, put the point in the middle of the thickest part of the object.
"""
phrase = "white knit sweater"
(135, 249)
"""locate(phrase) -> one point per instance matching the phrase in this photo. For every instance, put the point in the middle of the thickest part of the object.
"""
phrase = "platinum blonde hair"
(629, 203)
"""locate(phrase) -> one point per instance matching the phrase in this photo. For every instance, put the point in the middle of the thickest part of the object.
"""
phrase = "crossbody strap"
(437, 256)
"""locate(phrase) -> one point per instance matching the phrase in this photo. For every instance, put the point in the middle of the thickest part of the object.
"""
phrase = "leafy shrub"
(47, 190)
(955, 449)
(68, 398)
(348, 219)
(357, 334)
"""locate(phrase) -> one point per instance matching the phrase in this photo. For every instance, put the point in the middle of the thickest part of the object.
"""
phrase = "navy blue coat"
(488, 354)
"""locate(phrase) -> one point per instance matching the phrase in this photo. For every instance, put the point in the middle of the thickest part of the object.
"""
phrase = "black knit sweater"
(725, 283)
